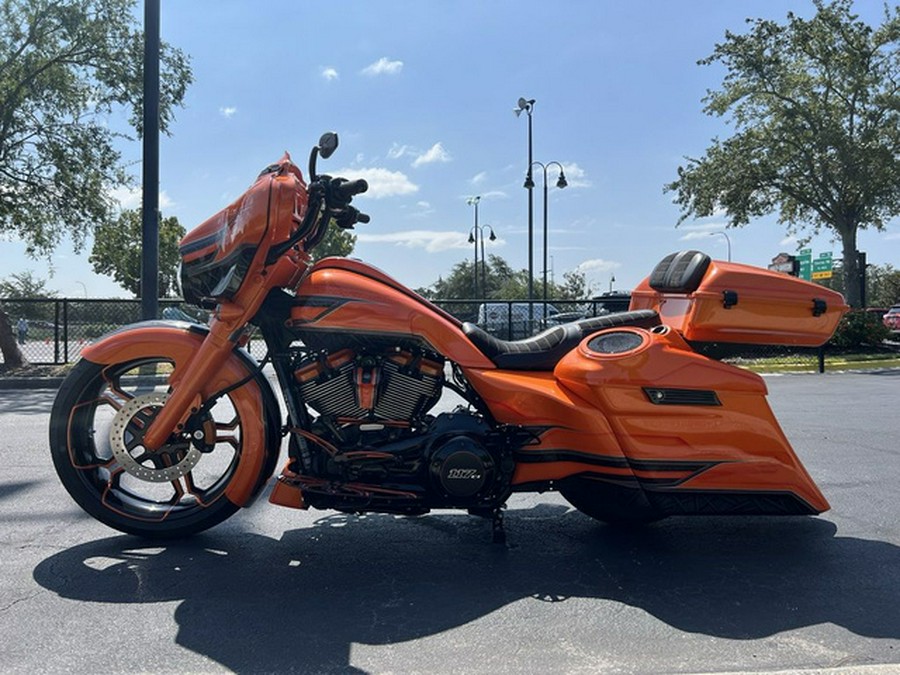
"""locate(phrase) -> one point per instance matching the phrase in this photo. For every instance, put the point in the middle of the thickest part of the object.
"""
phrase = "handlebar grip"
(345, 189)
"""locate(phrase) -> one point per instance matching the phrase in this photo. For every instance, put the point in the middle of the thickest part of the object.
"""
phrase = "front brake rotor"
(126, 436)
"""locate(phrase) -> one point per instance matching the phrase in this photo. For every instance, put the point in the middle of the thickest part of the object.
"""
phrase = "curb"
(30, 382)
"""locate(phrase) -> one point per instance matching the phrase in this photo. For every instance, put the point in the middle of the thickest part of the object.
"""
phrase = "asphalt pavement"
(277, 590)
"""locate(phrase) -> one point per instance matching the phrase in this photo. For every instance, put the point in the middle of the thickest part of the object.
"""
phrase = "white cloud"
(130, 198)
(478, 178)
(397, 151)
(435, 153)
(575, 175)
(227, 111)
(598, 265)
(430, 240)
(699, 230)
(330, 73)
(382, 182)
(790, 240)
(892, 236)
(693, 236)
(383, 66)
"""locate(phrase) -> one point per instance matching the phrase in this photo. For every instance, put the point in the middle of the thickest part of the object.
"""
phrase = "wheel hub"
(126, 436)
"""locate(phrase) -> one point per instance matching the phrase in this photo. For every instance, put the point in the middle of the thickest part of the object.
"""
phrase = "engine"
(348, 387)
(382, 444)
(461, 470)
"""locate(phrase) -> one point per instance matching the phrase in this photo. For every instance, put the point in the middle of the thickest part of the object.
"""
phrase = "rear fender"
(255, 401)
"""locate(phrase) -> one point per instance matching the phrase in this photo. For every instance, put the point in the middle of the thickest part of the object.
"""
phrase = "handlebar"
(329, 199)
(343, 190)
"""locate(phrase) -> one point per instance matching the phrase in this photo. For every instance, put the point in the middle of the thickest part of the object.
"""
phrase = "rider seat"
(544, 350)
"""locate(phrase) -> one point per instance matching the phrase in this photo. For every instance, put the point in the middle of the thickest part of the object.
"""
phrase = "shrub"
(859, 329)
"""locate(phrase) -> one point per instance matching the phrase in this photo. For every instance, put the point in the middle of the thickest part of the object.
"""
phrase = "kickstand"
(498, 534)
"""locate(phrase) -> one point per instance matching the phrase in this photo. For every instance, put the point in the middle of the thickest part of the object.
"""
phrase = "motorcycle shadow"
(253, 603)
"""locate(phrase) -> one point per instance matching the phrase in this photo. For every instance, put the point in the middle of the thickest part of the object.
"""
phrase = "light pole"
(476, 233)
(473, 201)
(727, 239)
(527, 105)
(150, 171)
(561, 182)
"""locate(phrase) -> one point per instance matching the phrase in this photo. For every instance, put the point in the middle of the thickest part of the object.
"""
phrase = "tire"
(95, 430)
(609, 503)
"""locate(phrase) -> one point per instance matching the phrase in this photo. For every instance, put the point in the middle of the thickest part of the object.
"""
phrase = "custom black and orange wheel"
(96, 431)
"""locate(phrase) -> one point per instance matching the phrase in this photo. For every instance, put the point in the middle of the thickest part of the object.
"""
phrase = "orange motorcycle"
(166, 428)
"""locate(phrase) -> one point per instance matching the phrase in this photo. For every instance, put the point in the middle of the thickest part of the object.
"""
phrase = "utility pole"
(150, 201)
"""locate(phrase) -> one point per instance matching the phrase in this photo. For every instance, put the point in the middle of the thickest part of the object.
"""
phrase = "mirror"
(328, 143)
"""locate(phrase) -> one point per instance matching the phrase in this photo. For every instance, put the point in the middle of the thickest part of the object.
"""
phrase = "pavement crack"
(17, 601)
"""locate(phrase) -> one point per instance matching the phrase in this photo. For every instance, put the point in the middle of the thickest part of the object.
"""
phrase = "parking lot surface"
(277, 590)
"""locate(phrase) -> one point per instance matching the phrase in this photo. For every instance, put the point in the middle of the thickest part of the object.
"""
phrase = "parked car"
(610, 303)
(514, 320)
(892, 318)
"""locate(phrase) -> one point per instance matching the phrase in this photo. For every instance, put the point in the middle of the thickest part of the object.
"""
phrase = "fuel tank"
(344, 296)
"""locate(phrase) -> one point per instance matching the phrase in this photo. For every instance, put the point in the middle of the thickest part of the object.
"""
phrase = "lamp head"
(493, 236)
(529, 183)
(561, 182)
(471, 238)
(523, 104)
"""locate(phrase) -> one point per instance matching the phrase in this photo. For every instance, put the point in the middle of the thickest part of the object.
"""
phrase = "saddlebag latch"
(729, 299)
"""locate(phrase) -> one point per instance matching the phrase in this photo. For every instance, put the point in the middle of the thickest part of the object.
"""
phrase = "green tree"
(117, 252)
(502, 283)
(882, 284)
(337, 242)
(816, 109)
(65, 67)
(574, 286)
(23, 285)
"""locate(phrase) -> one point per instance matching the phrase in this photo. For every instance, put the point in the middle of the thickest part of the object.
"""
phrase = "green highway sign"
(822, 267)
(805, 260)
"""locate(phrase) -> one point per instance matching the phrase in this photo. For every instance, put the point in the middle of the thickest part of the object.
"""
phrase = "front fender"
(178, 341)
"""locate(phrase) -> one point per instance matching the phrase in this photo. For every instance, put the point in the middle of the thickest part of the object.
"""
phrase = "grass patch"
(810, 364)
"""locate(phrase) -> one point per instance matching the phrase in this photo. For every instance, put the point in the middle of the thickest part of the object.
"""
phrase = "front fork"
(185, 397)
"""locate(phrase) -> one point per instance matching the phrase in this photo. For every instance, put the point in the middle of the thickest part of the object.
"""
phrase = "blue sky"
(422, 94)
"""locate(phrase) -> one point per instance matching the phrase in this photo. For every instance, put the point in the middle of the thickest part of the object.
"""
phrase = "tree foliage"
(25, 285)
(502, 282)
(117, 252)
(65, 66)
(882, 284)
(337, 241)
(816, 109)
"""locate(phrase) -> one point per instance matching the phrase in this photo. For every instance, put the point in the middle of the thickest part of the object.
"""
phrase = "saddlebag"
(715, 301)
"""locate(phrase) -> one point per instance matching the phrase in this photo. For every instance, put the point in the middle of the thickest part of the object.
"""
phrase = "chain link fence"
(54, 331)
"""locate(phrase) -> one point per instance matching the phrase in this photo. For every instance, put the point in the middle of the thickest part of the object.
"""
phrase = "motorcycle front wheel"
(96, 431)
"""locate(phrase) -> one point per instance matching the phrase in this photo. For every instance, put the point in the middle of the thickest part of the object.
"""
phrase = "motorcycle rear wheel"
(95, 437)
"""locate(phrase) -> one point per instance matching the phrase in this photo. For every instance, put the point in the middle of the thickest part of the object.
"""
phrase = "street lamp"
(561, 182)
(527, 105)
(476, 233)
(727, 239)
(473, 201)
